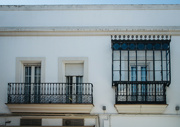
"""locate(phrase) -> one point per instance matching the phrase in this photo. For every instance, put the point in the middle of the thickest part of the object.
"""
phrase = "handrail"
(50, 92)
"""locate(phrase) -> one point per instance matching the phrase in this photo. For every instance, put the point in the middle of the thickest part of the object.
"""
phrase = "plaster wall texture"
(98, 51)
(90, 18)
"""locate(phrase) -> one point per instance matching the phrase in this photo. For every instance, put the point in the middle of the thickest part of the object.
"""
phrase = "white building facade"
(90, 65)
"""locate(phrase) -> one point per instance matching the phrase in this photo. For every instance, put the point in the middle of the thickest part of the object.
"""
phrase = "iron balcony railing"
(43, 93)
(140, 93)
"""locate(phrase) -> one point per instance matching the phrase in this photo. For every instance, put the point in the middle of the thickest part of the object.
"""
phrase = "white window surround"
(64, 60)
(20, 61)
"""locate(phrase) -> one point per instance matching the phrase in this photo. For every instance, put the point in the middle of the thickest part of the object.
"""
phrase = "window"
(74, 72)
(73, 122)
(30, 72)
(74, 88)
(22, 64)
(73, 66)
(141, 70)
(32, 79)
(30, 122)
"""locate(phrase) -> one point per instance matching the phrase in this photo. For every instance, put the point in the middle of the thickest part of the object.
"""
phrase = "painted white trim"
(90, 7)
(90, 31)
(22, 60)
(141, 108)
(51, 108)
(61, 67)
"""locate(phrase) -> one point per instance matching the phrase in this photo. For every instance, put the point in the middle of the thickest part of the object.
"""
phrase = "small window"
(32, 73)
(30, 122)
(73, 122)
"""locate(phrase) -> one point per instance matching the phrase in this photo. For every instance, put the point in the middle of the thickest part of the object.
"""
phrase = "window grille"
(141, 66)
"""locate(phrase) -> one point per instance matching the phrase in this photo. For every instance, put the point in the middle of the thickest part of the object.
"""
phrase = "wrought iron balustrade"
(43, 93)
(140, 93)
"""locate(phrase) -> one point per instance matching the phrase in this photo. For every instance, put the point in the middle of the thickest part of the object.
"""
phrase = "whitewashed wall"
(98, 51)
(91, 18)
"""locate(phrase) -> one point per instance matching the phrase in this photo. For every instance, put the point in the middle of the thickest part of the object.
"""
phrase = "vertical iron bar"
(166, 66)
(161, 64)
(155, 92)
(169, 64)
(120, 64)
(128, 64)
(112, 64)
(146, 73)
(136, 86)
(153, 66)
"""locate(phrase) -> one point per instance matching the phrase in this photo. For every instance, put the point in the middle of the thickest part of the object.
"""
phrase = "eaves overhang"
(90, 30)
(90, 7)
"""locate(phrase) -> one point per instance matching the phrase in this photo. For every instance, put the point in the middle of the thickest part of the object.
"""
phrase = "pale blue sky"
(52, 2)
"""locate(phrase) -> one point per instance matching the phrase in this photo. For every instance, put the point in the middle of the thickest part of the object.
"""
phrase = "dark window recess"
(141, 71)
(73, 122)
(31, 122)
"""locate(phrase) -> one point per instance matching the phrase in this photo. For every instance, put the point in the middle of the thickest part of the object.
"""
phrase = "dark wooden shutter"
(73, 122)
(31, 122)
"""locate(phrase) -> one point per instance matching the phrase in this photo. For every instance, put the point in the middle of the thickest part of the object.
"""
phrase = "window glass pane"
(116, 55)
(143, 73)
(124, 55)
(133, 73)
(165, 67)
(132, 55)
(157, 75)
(27, 74)
(167, 55)
(79, 79)
(124, 65)
(116, 76)
(164, 55)
(157, 65)
(149, 55)
(150, 65)
(132, 63)
(37, 74)
(124, 75)
(116, 65)
(150, 75)
(157, 55)
(141, 63)
(140, 55)
(165, 75)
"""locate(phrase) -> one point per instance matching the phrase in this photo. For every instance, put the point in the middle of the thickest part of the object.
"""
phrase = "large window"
(141, 70)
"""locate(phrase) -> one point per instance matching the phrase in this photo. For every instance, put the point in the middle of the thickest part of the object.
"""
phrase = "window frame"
(147, 62)
(20, 61)
(61, 67)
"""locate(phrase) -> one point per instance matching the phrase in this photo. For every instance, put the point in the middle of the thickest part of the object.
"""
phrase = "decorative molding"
(90, 31)
(61, 67)
(140, 108)
(140, 37)
(50, 108)
(20, 61)
(90, 7)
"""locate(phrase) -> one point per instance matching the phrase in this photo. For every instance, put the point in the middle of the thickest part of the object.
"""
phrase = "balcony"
(141, 97)
(50, 97)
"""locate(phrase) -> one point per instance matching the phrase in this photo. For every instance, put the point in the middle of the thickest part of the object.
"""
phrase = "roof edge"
(90, 7)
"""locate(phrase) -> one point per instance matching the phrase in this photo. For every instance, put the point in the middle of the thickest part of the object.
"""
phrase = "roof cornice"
(89, 30)
(90, 7)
